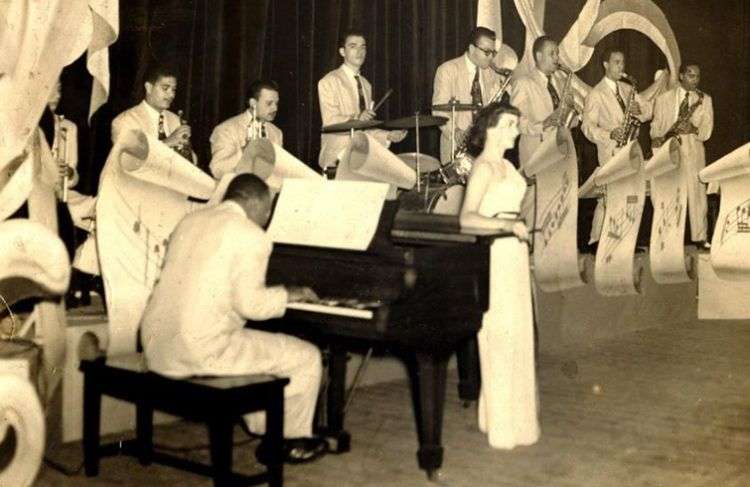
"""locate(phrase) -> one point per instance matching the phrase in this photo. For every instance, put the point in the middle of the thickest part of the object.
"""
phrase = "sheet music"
(331, 214)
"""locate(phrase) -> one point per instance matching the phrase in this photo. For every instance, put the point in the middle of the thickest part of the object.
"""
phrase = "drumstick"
(382, 100)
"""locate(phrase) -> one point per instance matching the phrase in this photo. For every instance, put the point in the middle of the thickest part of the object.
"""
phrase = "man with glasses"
(466, 79)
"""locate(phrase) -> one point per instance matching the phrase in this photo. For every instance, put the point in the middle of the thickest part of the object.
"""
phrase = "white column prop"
(555, 166)
(669, 198)
(730, 246)
(142, 196)
(616, 271)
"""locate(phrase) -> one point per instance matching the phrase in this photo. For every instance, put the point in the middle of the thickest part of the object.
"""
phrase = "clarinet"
(185, 148)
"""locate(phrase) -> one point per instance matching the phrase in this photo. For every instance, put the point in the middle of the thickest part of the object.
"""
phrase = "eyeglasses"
(487, 52)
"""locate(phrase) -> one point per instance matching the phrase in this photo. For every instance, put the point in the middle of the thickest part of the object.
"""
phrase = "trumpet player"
(230, 137)
(604, 113)
(152, 115)
(687, 113)
(542, 103)
(466, 79)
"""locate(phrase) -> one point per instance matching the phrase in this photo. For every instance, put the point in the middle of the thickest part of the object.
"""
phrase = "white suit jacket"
(530, 95)
(229, 138)
(339, 102)
(139, 117)
(692, 152)
(602, 114)
(213, 280)
(453, 80)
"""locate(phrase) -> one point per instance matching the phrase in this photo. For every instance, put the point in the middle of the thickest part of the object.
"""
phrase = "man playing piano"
(212, 281)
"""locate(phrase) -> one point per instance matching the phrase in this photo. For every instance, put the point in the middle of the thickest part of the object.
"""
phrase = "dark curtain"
(219, 46)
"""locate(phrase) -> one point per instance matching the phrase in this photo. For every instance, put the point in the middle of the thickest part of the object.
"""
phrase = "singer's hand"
(519, 230)
(178, 136)
(366, 115)
(396, 135)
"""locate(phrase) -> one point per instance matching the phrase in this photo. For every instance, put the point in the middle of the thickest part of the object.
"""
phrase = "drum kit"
(439, 187)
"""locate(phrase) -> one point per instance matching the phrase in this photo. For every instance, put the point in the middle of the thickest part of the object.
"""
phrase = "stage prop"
(730, 246)
(669, 197)
(618, 271)
(366, 159)
(143, 194)
(554, 165)
(272, 163)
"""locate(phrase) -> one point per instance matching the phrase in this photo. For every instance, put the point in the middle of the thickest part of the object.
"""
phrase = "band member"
(225, 249)
(604, 117)
(508, 401)
(687, 112)
(152, 115)
(230, 137)
(467, 79)
(345, 94)
(538, 98)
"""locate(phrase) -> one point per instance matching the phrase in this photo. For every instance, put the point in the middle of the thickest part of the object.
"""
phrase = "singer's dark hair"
(486, 118)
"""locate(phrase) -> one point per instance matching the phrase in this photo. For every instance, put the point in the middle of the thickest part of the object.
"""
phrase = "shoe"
(295, 450)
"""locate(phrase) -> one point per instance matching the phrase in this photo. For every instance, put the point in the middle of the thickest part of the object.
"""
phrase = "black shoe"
(296, 450)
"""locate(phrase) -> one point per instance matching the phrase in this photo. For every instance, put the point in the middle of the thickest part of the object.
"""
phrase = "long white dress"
(508, 400)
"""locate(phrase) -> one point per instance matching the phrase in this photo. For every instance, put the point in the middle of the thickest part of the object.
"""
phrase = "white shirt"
(681, 96)
(153, 116)
(350, 73)
(613, 86)
(472, 69)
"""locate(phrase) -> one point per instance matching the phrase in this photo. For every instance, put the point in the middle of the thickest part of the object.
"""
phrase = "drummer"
(468, 81)
(344, 95)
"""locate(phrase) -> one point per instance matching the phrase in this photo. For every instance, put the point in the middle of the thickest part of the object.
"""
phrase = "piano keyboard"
(349, 308)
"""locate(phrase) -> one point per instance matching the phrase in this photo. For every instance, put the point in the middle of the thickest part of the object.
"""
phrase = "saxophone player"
(604, 117)
(687, 113)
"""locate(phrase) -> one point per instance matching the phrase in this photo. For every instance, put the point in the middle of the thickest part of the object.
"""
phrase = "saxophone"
(678, 127)
(630, 123)
(185, 148)
(567, 108)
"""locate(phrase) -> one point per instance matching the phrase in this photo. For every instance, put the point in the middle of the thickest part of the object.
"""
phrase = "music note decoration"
(736, 221)
(553, 215)
(669, 220)
(619, 225)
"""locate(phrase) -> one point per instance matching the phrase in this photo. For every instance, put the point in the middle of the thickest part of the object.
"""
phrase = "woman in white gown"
(508, 400)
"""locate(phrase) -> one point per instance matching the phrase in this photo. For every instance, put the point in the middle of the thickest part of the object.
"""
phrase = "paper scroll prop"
(669, 198)
(272, 163)
(555, 167)
(730, 246)
(616, 271)
(142, 196)
(368, 160)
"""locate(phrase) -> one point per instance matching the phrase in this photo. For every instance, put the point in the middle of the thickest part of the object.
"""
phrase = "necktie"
(263, 134)
(360, 94)
(619, 98)
(162, 132)
(476, 92)
(685, 105)
(553, 93)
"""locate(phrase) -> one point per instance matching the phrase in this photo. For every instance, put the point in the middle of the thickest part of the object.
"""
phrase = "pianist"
(212, 281)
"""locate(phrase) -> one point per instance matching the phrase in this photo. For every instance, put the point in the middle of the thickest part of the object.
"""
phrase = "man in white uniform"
(213, 280)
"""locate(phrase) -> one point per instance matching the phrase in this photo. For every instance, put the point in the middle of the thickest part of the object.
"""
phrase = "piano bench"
(217, 401)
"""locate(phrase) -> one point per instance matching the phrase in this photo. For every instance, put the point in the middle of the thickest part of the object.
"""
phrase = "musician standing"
(604, 117)
(213, 280)
(230, 137)
(152, 115)
(688, 113)
(345, 94)
(467, 79)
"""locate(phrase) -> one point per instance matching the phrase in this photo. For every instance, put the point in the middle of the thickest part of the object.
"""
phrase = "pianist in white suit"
(213, 280)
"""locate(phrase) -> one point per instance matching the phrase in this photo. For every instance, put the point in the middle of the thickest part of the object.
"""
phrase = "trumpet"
(254, 128)
(630, 123)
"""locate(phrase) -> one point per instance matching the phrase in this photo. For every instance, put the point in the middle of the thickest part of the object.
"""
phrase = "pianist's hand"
(298, 294)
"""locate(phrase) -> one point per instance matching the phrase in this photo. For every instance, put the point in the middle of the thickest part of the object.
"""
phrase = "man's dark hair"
(687, 64)
(246, 187)
(350, 33)
(539, 43)
(156, 71)
(479, 32)
(608, 53)
(254, 89)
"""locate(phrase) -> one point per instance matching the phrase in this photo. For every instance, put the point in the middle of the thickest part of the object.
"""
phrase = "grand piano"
(419, 290)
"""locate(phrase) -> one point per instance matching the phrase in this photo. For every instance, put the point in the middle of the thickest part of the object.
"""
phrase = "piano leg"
(469, 379)
(428, 395)
(336, 397)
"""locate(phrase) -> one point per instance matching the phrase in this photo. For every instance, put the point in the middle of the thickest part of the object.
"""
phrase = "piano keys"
(426, 281)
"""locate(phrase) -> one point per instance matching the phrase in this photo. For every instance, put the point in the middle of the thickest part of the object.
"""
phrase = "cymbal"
(426, 163)
(411, 122)
(350, 125)
(455, 105)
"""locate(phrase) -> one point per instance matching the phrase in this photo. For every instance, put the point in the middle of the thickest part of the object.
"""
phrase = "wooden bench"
(217, 401)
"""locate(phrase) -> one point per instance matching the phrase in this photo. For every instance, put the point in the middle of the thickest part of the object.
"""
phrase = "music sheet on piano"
(331, 214)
